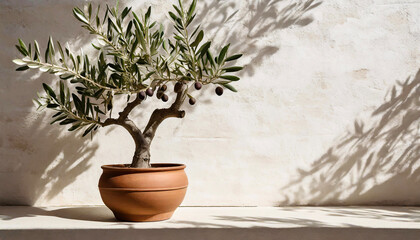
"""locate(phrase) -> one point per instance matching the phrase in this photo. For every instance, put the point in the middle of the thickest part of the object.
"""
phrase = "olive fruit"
(142, 95)
(178, 87)
(198, 85)
(192, 101)
(165, 97)
(219, 91)
(163, 88)
(159, 94)
(149, 92)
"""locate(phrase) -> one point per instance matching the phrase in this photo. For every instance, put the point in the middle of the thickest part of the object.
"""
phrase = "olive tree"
(134, 61)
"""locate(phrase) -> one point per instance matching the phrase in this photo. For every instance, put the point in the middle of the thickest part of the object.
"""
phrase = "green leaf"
(37, 52)
(180, 5)
(203, 49)
(230, 77)
(33, 65)
(66, 76)
(222, 54)
(147, 15)
(23, 46)
(23, 68)
(77, 103)
(125, 12)
(233, 57)
(60, 49)
(52, 105)
(79, 15)
(232, 69)
(191, 9)
(190, 20)
(19, 62)
(44, 69)
(173, 16)
(128, 32)
(98, 110)
(112, 24)
(22, 50)
(74, 127)
(90, 10)
(57, 114)
(198, 39)
(136, 17)
(140, 37)
(58, 119)
(62, 93)
(96, 47)
(230, 87)
(47, 52)
(133, 49)
(148, 75)
(210, 58)
(49, 91)
(68, 121)
(180, 13)
(88, 130)
(152, 25)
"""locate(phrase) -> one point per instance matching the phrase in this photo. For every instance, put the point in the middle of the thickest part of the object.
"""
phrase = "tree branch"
(128, 124)
(130, 106)
(159, 115)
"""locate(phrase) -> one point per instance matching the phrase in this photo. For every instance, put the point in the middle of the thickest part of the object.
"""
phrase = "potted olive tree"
(136, 62)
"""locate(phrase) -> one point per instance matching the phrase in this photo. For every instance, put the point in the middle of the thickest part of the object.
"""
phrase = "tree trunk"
(141, 158)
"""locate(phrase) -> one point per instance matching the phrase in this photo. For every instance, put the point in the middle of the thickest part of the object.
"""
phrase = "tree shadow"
(377, 163)
(38, 161)
(248, 26)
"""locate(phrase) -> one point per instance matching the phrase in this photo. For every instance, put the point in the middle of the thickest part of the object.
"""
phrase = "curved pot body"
(143, 194)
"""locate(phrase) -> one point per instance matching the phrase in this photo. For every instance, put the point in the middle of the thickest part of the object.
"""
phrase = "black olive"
(163, 88)
(219, 91)
(142, 95)
(149, 92)
(165, 97)
(198, 85)
(192, 101)
(159, 94)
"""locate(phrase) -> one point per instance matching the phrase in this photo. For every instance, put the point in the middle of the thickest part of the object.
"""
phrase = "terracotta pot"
(143, 194)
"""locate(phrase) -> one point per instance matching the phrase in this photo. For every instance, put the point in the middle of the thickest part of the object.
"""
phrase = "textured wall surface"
(327, 111)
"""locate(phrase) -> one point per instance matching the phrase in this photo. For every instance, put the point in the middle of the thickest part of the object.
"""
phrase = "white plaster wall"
(320, 117)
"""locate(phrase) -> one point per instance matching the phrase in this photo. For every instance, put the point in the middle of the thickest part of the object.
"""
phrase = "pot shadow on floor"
(375, 164)
(84, 213)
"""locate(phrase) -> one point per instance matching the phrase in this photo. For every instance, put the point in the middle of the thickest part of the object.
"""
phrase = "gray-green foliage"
(133, 55)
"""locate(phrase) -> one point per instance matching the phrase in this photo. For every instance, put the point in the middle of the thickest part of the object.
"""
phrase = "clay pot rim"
(156, 167)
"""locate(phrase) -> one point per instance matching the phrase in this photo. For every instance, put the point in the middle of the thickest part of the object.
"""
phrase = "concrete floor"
(97, 222)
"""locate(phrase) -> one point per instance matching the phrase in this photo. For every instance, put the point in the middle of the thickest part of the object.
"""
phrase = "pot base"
(143, 218)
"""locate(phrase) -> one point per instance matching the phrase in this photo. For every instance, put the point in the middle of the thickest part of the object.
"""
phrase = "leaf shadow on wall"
(247, 25)
(36, 160)
(246, 29)
(371, 165)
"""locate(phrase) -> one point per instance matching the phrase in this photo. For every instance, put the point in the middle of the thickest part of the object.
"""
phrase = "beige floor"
(93, 222)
